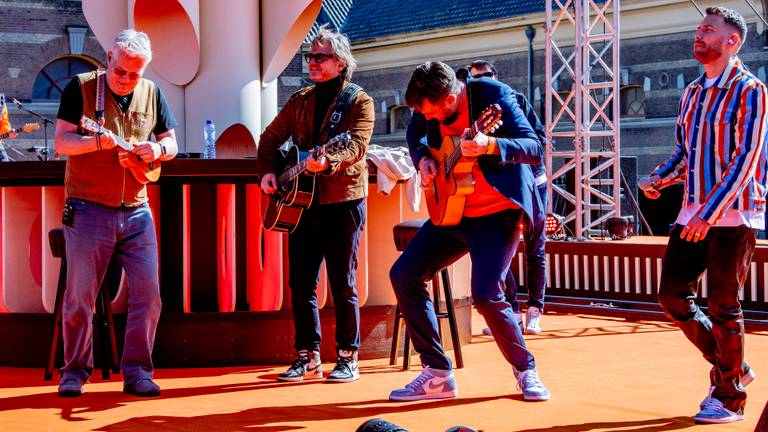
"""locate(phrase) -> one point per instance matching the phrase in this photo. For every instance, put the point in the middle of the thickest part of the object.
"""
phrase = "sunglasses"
(319, 57)
(483, 75)
(133, 76)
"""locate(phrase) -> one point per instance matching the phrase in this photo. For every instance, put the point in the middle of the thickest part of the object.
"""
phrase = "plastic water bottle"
(209, 147)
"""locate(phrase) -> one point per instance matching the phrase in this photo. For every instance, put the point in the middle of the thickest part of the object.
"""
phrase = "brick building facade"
(37, 32)
(33, 35)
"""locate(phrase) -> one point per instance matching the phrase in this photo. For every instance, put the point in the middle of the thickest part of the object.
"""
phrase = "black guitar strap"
(342, 104)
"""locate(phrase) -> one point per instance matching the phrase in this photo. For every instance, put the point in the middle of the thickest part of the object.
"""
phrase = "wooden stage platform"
(605, 374)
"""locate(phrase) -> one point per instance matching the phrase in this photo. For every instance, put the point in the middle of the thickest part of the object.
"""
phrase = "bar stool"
(102, 319)
(403, 233)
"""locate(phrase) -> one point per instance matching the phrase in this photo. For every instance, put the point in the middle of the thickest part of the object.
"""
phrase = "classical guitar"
(447, 194)
(282, 209)
(29, 127)
(143, 172)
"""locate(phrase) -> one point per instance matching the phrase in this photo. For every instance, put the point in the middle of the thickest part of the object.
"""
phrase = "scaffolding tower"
(582, 113)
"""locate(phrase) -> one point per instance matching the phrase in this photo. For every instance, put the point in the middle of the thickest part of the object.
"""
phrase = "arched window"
(399, 117)
(50, 82)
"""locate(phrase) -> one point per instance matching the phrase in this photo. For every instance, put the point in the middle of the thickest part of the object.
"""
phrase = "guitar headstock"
(29, 127)
(337, 144)
(90, 125)
(490, 120)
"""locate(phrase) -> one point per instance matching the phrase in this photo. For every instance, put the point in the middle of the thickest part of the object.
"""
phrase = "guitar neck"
(92, 126)
(293, 172)
(286, 177)
(122, 143)
(453, 158)
(12, 131)
(119, 141)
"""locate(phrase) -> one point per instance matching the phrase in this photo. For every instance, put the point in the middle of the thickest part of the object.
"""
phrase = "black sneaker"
(346, 369)
(143, 388)
(70, 387)
(306, 366)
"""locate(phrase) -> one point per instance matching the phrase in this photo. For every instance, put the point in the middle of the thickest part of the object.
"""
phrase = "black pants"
(725, 254)
(331, 232)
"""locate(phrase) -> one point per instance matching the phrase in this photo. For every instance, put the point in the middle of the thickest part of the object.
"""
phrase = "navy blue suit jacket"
(508, 172)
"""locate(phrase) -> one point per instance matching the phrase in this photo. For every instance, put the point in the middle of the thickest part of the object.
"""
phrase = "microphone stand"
(42, 118)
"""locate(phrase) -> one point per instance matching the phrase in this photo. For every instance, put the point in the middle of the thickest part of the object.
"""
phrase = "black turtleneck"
(325, 93)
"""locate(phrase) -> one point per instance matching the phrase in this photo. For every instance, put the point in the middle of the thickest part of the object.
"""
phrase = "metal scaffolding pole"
(582, 112)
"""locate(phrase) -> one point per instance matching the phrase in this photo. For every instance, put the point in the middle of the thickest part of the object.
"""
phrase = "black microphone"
(17, 103)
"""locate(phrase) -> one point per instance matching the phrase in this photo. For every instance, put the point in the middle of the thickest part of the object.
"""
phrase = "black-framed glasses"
(488, 74)
(319, 57)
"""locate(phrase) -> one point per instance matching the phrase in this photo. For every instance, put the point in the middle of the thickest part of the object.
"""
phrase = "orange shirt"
(485, 200)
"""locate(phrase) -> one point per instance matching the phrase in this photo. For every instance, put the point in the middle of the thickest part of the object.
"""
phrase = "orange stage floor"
(605, 374)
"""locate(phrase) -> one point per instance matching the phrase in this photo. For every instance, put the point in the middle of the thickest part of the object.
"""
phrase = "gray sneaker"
(430, 384)
(533, 390)
(306, 366)
(346, 369)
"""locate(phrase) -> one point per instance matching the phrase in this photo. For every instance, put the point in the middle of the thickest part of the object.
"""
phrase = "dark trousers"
(725, 254)
(535, 263)
(490, 240)
(331, 232)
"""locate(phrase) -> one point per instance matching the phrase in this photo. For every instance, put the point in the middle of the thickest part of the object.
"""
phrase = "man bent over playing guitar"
(494, 188)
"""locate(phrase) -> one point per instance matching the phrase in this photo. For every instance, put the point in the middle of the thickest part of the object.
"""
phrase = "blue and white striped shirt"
(721, 134)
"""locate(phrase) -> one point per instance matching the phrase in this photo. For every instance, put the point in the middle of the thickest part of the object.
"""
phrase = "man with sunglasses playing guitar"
(487, 227)
(330, 228)
(106, 211)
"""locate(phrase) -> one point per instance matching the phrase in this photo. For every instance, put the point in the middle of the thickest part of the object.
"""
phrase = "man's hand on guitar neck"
(105, 140)
(147, 151)
(317, 165)
(476, 146)
(427, 170)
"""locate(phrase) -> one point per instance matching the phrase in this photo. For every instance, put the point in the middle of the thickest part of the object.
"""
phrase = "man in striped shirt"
(721, 157)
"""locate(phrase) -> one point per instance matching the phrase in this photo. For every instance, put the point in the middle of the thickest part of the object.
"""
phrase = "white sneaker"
(529, 382)
(533, 320)
(430, 384)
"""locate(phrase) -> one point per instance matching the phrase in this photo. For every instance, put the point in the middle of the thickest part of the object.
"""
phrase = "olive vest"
(97, 176)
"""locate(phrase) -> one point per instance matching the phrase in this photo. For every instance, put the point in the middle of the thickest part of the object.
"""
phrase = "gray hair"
(135, 43)
(340, 46)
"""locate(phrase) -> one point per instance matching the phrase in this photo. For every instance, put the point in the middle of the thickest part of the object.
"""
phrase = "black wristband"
(163, 150)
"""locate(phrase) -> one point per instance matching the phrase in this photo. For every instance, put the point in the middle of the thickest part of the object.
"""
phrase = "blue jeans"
(491, 241)
(536, 263)
(331, 232)
(97, 233)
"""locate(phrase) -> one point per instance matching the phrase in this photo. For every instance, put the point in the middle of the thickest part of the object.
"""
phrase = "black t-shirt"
(71, 107)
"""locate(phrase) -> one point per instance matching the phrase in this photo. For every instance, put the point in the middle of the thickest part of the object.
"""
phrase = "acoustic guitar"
(447, 194)
(143, 172)
(281, 211)
(29, 127)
